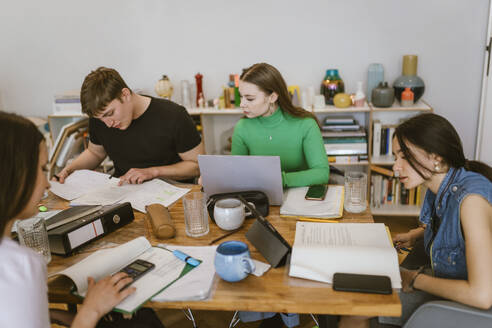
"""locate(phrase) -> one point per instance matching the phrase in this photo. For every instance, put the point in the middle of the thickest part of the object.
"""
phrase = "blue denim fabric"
(290, 319)
(448, 248)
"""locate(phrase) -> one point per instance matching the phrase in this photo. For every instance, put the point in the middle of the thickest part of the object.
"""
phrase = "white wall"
(49, 46)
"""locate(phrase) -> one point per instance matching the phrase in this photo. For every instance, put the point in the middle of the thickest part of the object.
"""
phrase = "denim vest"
(447, 250)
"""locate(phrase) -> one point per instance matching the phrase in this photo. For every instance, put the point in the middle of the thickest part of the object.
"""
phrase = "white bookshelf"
(392, 116)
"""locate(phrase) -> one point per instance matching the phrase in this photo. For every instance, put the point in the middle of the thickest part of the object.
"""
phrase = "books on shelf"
(86, 187)
(339, 133)
(376, 139)
(339, 120)
(386, 190)
(382, 139)
(358, 148)
(322, 249)
(346, 159)
(343, 136)
(341, 127)
(296, 205)
(168, 269)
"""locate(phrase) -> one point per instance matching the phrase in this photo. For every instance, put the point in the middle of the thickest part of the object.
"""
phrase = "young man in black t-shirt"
(145, 137)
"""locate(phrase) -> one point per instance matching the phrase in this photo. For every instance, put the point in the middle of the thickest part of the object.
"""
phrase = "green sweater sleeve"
(318, 171)
(239, 146)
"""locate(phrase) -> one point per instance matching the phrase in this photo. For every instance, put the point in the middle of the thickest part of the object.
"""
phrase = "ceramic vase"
(383, 95)
(409, 79)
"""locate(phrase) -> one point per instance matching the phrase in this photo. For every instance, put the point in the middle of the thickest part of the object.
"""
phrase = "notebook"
(226, 173)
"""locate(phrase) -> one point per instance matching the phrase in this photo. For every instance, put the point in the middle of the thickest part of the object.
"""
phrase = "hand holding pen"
(61, 176)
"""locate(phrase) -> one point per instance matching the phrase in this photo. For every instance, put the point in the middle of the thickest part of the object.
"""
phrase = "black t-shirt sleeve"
(187, 137)
(93, 131)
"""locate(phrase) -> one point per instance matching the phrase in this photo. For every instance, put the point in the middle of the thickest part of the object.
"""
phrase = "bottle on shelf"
(199, 89)
(407, 98)
(359, 97)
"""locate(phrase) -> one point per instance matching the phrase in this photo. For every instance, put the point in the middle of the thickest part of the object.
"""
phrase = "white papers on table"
(79, 183)
(86, 187)
(321, 249)
(295, 203)
(197, 284)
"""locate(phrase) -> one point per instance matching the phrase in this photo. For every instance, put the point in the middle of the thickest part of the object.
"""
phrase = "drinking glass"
(195, 214)
(355, 192)
(186, 94)
(33, 234)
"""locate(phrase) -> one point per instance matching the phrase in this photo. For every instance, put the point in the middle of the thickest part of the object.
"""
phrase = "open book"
(321, 249)
(86, 187)
(296, 205)
(167, 270)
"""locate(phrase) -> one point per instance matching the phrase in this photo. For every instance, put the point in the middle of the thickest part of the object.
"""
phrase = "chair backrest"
(449, 314)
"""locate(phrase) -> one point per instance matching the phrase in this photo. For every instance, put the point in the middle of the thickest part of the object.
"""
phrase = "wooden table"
(275, 291)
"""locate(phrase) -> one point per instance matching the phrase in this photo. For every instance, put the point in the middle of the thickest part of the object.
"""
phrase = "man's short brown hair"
(100, 87)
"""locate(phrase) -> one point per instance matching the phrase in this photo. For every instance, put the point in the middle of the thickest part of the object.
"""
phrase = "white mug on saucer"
(229, 213)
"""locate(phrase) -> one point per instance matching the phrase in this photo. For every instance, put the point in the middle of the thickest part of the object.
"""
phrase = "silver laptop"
(226, 173)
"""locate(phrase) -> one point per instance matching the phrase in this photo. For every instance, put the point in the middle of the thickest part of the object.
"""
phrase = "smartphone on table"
(317, 192)
(362, 283)
(137, 269)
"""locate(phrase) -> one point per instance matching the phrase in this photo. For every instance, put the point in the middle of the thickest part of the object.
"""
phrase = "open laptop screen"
(230, 173)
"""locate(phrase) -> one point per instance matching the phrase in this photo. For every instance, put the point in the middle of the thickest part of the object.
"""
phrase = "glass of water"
(355, 192)
(33, 234)
(195, 214)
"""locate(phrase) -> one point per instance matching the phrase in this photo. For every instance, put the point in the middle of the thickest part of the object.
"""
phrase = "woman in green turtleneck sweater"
(273, 126)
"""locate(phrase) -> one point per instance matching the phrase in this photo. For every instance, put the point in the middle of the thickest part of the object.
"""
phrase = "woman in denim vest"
(456, 218)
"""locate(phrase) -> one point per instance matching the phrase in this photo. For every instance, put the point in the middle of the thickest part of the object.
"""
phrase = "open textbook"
(86, 187)
(321, 249)
(296, 205)
(167, 270)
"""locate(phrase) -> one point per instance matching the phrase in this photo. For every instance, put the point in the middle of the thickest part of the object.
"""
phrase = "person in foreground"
(274, 126)
(145, 137)
(456, 217)
(24, 299)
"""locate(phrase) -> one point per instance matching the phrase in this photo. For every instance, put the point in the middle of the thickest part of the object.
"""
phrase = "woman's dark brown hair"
(268, 79)
(19, 157)
(435, 135)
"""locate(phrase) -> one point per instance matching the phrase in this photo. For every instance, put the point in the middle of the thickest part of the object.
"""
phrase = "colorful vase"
(409, 79)
(331, 85)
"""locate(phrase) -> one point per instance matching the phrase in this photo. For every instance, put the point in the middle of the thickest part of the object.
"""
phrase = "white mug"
(229, 213)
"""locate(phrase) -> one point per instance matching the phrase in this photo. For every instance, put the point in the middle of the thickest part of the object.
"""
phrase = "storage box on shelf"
(388, 197)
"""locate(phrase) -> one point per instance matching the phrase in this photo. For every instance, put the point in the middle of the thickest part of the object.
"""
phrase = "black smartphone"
(317, 192)
(362, 283)
(137, 269)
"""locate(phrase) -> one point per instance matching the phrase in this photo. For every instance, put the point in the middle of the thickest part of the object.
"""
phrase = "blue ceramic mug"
(233, 261)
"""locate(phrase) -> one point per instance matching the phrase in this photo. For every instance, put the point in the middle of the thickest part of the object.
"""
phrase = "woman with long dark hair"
(23, 273)
(274, 126)
(456, 218)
